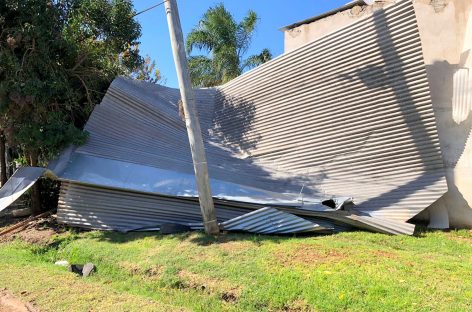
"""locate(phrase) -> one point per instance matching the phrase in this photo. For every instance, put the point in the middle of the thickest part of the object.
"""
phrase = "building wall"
(446, 34)
(299, 36)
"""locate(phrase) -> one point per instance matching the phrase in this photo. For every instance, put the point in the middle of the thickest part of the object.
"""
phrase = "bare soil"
(39, 231)
(10, 303)
(228, 292)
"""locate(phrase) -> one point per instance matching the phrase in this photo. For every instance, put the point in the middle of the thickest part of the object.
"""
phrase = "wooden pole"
(191, 118)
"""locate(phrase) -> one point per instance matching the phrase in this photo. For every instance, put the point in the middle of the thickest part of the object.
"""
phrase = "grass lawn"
(193, 272)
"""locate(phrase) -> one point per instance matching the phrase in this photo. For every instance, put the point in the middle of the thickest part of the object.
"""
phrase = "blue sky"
(273, 15)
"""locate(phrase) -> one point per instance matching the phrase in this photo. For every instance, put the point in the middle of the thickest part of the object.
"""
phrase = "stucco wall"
(446, 35)
(299, 36)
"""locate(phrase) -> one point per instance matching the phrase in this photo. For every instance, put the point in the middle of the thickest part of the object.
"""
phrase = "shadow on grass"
(422, 231)
(201, 239)
(198, 237)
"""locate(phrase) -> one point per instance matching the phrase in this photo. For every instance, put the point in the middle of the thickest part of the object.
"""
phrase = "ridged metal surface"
(111, 209)
(269, 220)
(348, 115)
(350, 112)
(120, 210)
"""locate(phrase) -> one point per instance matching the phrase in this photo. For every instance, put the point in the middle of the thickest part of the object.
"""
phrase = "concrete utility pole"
(191, 118)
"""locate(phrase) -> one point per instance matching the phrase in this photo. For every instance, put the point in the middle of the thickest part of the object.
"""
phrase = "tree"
(227, 43)
(147, 72)
(57, 58)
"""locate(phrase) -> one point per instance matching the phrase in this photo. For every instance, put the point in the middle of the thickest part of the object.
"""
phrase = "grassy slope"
(149, 272)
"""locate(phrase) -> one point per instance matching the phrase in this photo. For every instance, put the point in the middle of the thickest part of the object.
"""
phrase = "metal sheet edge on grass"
(271, 221)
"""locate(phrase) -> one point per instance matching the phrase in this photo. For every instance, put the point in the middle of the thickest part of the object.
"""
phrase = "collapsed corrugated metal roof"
(348, 115)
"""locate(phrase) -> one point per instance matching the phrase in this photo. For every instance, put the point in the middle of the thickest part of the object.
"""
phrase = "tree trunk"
(11, 164)
(3, 160)
(35, 189)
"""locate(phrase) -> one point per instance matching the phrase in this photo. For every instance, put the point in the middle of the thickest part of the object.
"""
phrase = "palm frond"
(226, 42)
(258, 59)
(200, 39)
(245, 31)
(202, 72)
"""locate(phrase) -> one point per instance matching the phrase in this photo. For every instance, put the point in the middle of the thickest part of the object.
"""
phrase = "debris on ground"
(88, 269)
(63, 263)
(82, 270)
(38, 229)
(9, 303)
(24, 212)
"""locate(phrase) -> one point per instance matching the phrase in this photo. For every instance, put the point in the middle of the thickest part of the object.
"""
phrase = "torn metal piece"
(271, 221)
(21, 181)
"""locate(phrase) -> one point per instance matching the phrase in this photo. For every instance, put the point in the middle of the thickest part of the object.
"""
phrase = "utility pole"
(191, 118)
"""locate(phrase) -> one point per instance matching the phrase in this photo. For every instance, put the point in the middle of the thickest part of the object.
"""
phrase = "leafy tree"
(147, 72)
(227, 43)
(57, 58)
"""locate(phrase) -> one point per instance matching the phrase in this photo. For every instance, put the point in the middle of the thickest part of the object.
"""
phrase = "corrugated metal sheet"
(112, 209)
(347, 115)
(124, 175)
(21, 181)
(115, 209)
(350, 112)
(269, 220)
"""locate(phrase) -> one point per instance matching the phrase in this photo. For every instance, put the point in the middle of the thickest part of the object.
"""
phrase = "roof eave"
(348, 6)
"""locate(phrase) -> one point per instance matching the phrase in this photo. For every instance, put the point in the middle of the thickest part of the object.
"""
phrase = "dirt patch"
(6, 219)
(229, 297)
(9, 303)
(385, 254)
(39, 231)
(307, 254)
(297, 306)
(229, 293)
(151, 272)
(460, 238)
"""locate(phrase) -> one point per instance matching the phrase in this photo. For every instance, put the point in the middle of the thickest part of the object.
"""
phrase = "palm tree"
(226, 43)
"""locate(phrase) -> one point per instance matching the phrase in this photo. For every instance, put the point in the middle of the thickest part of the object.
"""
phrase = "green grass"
(149, 272)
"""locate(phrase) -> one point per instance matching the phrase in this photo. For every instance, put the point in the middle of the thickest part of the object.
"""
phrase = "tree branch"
(81, 59)
(89, 99)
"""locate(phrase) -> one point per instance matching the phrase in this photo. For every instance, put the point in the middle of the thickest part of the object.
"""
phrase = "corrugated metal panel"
(354, 219)
(129, 126)
(111, 209)
(21, 181)
(114, 209)
(350, 112)
(93, 170)
(271, 221)
(347, 115)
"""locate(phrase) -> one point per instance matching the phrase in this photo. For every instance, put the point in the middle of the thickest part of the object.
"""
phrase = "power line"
(148, 9)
